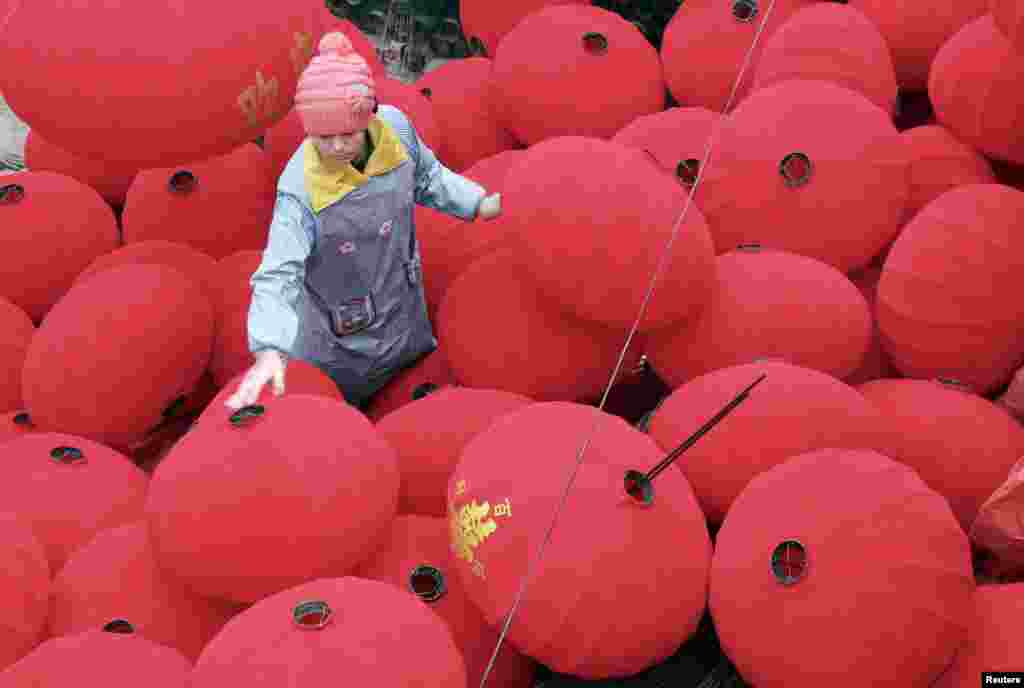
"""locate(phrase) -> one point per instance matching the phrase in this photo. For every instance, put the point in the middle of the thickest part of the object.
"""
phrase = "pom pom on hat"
(335, 94)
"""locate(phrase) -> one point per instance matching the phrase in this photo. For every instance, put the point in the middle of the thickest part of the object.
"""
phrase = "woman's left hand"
(490, 207)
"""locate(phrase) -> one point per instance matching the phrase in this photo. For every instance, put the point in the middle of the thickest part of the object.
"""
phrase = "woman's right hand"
(269, 366)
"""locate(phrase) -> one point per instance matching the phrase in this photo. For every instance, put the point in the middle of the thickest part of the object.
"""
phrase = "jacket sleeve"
(277, 283)
(439, 188)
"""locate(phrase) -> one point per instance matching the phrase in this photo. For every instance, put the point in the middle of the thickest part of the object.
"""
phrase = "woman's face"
(341, 147)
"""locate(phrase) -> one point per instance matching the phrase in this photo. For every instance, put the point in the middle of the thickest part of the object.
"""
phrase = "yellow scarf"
(328, 182)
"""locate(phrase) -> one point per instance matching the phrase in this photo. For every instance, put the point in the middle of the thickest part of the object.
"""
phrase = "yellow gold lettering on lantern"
(259, 102)
(460, 488)
(470, 526)
(302, 51)
(503, 508)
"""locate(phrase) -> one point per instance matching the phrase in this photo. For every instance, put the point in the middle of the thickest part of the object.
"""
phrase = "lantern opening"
(11, 193)
(688, 170)
(639, 487)
(595, 43)
(796, 169)
(427, 582)
(477, 47)
(955, 384)
(22, 419)
(744, 10)
(246, 413)
(753, 247)
(119, 626)
(427, 93)
(789, 562)
(312, 615)
(183, 182)
(67, 455)
(423, 390)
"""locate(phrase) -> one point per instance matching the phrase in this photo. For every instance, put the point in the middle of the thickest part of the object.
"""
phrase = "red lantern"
(116, 575)
(365, 631)
(15, 424)
(574, 70)
(188, 261)
(914, 32)
(675, 139)
(426, 375)
(90, 657)
(485, 23)
(416, 106)
(717, 35)
(17, 330)
(769, 303)
(364, 47)
(110, 179)
(217, 206)
(502, 498)
(54, 226)
(250, 507)
(973, 87)
(462, 103)
(429, 436)
(961, 444)
(234, 292)
(935, 308)
(817, 552)
(993, 642)
(68, 488)
(794, 410)
(25, 594)
(570, 227)
(116, 352)
(876, 364)
(783, 178)
(417, 559)
(150, 72)
(940, 162)
(282, 142)
(835, 43)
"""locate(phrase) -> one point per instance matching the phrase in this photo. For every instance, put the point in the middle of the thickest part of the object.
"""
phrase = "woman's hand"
(269, 366)
(490, 207)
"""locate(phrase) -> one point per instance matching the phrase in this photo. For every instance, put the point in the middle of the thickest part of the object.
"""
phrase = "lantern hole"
(246, 414)
(312, 615)
(67, 455)
(11, 194)
(477, 47)
(22, 419)
(423, 390)
(427, 93)
(183, 182)
(119, 626)
(427, 583)
(639, 487)
(954, 383)
(595, 43)
(744, 10)
(789, 562)
(752, 247)
(796, 169)
(687, 171)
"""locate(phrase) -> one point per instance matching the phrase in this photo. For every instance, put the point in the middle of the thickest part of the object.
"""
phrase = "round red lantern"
(973, 87)
(147, 67)
(915, 32)
(282, 142)
(782, 177)
(90, 657)
(414, 105)
(718, 35)
(993, 641)
(486, 23)
(188, 261)
(217, 206)
(67, 489)
(15, 424)
(769, 303)
(938, 308)
(794, 410)
(364, 47)
(960, 443)
(116, 352)
(25, 594)
(840, 529)
(428, 436)
(250, 507)
(939, 162)
(427, 375)
(571, 228)
(54, 226)
(234, 291)
(16, 330)
(655, 555)
(831, 42)
(574, 70)
(676, 139)
(416, 557)
(116, 575)
(110, 179)
(462, 103)
(876, 364)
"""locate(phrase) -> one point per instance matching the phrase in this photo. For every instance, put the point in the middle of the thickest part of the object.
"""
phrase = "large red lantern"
(417, 558)
(831, 42)
(675, 139)
(429, 436)
(25, 593)
(972, 85)
(960, 443)
(116, 575)
(16, 330)
(155, 86)
(915, 32)
(217, 206)
(876, 364)
(593, 255)
(15, 424)
(849, 530)
(574, 70)
(276, 495)
(116, 352)
(769, 303)
(994, 642)
(794, 410)
(654, 555)
(188, 261)
(234, 290)
(110, 179)
(462, 102)
(425, 376)
(938, 309)
(782, 177)
(485, 23)
(54, 226)
(67, 489)
(717, 35)
(415, 105)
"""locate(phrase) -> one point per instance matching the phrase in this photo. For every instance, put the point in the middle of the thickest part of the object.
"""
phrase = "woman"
(340, 284)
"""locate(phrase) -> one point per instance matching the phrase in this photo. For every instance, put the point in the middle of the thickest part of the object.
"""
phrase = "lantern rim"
(183, 182)
(745, 11)
(781, 569)
(312, 615)
(435, 587)
(67, 455)
(595, 43)
(639, 487)
(11, 194)
(786, 165)
(119, 626)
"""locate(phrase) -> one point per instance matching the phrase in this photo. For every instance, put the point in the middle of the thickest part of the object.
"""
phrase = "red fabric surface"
(66, 504)
(876, 364)
(994, 642)
(416, 541)
(490, 21)
(887, 590)
(234, 292)
(239, 513)
(378, 636)
(998, 530)
(13, 425)
(854, 200)
(25, 593)
(432, 369)
(50, 235)
(190, 262)
(16, 331)
(939, 309)
(110, 180)
(414, 105)
(671, 136)
(794, 410)
(647, 565)
(545, 83)
(1009, 19)
(282, 141)
(116, 351)
(231, 355)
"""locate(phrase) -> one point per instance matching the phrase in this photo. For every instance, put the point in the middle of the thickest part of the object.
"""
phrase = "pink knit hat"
(335, 94)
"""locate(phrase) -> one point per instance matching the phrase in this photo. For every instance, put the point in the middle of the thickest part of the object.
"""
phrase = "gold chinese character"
(470, 527)
(460, 488)
(258, 102)
(302, 51)
(503, 509)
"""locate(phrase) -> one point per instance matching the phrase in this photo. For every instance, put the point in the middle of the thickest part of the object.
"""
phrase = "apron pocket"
(353, 315)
